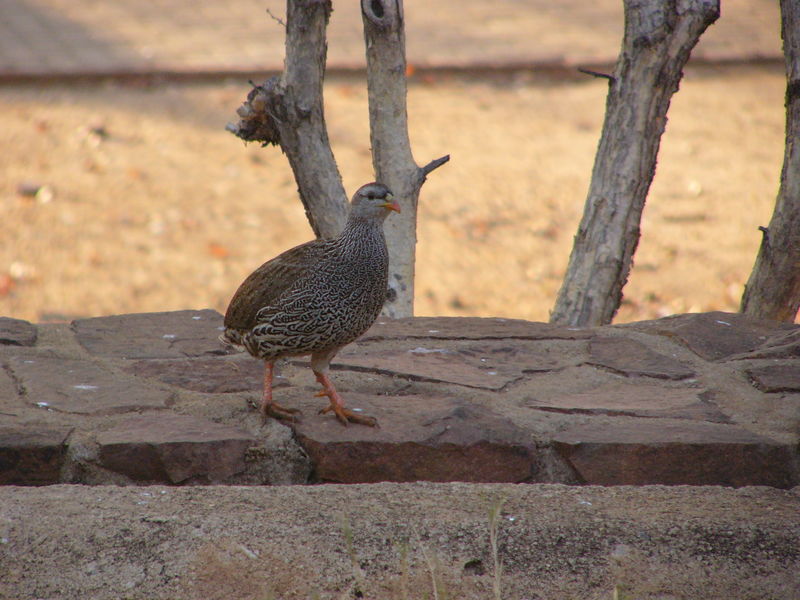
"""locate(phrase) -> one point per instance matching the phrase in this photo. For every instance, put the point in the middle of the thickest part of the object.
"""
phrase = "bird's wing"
(264, 285)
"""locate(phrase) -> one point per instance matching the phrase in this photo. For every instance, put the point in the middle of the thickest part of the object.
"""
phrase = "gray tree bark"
(288, 111)
(384, 36)
(659, 37)
(773, 289)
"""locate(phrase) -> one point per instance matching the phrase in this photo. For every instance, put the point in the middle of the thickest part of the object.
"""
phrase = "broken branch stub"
(288, 111)
(659, 37)
(256, 123)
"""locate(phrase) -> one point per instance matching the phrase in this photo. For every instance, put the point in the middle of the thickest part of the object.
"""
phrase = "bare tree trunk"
(659, 37)
(384, 36)
(287, 111)
(773, 290)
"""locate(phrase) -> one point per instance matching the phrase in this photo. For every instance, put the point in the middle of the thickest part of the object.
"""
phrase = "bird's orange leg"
(336, 406)
(268, 407)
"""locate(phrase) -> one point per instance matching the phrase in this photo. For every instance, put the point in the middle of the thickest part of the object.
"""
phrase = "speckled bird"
(316, 298)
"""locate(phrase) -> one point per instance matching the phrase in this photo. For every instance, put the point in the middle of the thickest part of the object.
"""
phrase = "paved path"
(64, 38)
(711, 398)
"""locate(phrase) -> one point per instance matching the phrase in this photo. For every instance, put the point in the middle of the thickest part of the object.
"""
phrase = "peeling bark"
(659, 37)
(773, 289)
(384, 37)
(288, 111)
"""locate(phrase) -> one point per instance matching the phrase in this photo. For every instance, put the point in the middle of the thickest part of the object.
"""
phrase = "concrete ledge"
(334, 541)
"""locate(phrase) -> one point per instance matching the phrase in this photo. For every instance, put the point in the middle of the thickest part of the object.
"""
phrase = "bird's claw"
(281, 413)
(346, 416)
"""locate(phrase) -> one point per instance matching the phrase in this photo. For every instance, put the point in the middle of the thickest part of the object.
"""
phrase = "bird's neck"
(361, 227)
(362, 236)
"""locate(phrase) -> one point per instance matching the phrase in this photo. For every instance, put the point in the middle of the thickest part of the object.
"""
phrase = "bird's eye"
(371, 196)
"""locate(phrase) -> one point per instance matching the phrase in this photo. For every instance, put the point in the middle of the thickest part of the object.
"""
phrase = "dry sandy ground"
(150, 205)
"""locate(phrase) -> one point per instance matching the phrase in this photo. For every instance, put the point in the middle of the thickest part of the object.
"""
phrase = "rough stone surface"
(180, 334)
(16, 332)
(173, 448)
(458, 399)
(776, 378)
(436, 439)
(77, 386)
(32, 455)
(471, 328)
(631, 357)
(208, 375)
(634, 399)
(716, 335)
(291, 542)
(487, 364)
(780, 346)
(647, 452)
(10, 398)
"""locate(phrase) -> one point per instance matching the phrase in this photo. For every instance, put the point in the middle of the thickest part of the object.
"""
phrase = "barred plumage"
(316, 298)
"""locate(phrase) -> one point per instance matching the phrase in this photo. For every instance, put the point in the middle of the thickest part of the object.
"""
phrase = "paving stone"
(715, 335)
(420, 439)
(207, 375)
(488, 364)
(471, 328)
(430, 363)
(689, 453)
(635, 399)
(9, 395)
(173, 449)
(77, 386)
(776, 378)
(16, 332)
(784, 345)
(32, 454)
(633, 358)
(177, 334)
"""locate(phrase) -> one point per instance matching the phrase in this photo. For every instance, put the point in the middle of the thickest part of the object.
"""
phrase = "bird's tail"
(232, 337)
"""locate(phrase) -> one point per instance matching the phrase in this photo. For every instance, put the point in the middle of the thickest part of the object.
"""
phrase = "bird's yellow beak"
(391, 204)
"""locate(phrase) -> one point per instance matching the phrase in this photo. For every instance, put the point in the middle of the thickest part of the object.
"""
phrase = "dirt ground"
(147, 204)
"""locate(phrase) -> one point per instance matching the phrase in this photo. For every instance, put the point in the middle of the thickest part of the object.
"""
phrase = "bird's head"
(373, 200)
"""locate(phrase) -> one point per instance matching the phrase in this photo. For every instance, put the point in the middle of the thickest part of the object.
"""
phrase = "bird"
(315, 299)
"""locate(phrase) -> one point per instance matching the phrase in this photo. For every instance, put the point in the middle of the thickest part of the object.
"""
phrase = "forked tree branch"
(288, 111)
(384, 36)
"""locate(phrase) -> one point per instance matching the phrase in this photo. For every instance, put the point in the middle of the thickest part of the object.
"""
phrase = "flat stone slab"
(648, 452)
(633, 358)
(10, 399)
(179, 334)
(155, 398)
(208, 375)
(249, 543)
(16, 332)
(776, 378)
(82, 387)
(32, 455)
(634, 399)
(471, 328)
(173, 448)
(420, 439)
(716, 335)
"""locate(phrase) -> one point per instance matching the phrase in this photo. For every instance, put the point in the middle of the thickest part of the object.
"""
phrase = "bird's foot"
(345, 415)
(276, 411)
(336, 406)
